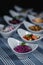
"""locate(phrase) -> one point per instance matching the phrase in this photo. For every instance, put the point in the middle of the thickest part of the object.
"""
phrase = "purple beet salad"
(23, 48)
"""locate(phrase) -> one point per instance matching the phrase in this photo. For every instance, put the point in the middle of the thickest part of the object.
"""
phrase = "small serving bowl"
(8, 31)
(13, 13)
(1, 26)
(27, 25)
(14, 43)
(23, 32)
(19, 16)
(31, 17)
(17, 8)
(9, 19)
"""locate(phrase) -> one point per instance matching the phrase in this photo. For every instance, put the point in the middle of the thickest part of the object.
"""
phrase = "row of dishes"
(28, 45)
(22, 48)
(15, 21)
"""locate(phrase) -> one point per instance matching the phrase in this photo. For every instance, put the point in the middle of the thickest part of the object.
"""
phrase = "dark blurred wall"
(5, 5)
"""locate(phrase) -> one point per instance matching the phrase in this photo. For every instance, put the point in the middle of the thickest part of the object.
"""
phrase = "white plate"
(1, 26)
(25, 14)
(13, 13)
(7, 19)
(23, 32)
(29, 10)
(8, 34)
(14, 42)
(31, 17)
(33, 13)
(18, 8)
(41, 14)
(27, 25)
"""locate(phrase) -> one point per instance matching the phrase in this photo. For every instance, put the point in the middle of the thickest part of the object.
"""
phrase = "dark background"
(6, 5)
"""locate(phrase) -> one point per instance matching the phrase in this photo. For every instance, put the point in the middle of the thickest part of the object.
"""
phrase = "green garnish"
(23, 43)
(18, 17)
(28, 35)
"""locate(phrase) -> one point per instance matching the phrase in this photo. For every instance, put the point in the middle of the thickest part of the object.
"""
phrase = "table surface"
(7, 56)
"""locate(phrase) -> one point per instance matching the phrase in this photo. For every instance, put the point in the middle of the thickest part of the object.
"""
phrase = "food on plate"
(38, 20)
(22, 48)
(14, 21)
(31, 37)
(8, 28)
(35, 28)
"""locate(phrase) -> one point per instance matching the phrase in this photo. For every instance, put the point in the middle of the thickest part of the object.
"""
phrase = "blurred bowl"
(14, 43)
(27, 25)
(31, 17)
(23, 32)
(1, 26)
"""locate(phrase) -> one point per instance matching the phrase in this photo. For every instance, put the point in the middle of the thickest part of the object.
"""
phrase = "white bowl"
(25, 14)
(31, 17)
(27, 25)
(7, 19)
(1, 26)
(41, 15)
(18, 8)
(13, 43)
(13, 13)
(8, 33)
(29, 10)
(33, 13)
(23, 32)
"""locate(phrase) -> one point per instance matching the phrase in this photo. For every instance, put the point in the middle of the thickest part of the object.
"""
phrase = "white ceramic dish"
(41, 14)
(8, 33)
(1, 26)
(17, 8)
(33, 13)
(23, 32)
(7, 19)
(15, 14)
(25, 13)
(27, 25)
(31, 17)
(29, 10)
(13, 43)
